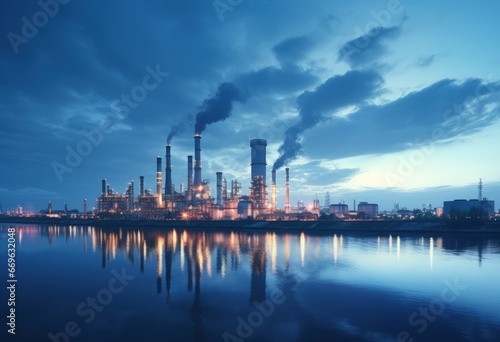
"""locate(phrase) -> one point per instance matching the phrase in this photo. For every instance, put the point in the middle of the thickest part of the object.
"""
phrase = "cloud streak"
(368, 48)
(439, 112)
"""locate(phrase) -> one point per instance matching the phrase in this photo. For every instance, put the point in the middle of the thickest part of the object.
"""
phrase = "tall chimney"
(131, 196)
(141, 185)
(273, 190)
(197, 160)
(168, 172)
(287, 190)
(159, 182)
(190, 179)
(85, 208)
(219, 188)
(104, 192)
(258, 158)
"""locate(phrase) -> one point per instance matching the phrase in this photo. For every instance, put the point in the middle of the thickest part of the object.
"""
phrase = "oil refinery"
(195, 201)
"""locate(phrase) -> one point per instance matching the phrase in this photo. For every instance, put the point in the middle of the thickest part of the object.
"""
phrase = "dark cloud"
(293, 50)
(277, 81)
(286, 79)
(443, 110)
(352, 88)
(368, 48)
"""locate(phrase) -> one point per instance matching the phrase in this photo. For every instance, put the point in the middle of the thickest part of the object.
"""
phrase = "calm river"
(78, 283)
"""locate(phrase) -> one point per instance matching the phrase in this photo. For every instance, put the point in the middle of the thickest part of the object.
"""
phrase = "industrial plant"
(195, 201)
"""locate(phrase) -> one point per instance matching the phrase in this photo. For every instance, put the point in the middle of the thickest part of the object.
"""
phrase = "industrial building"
(481, 204)
(196, 202)
(367, 210)
(464, 206)
(73, 213)
(340, 210)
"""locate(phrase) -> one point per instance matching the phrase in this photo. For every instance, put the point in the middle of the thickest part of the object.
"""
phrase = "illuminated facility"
(196, 201)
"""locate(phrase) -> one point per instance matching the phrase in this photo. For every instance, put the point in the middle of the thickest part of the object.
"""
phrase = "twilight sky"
(378, 101)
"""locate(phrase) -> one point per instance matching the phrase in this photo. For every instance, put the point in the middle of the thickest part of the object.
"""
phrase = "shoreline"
(396, 226)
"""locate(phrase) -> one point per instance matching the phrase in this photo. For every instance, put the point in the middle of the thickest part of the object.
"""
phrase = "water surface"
(91, 284)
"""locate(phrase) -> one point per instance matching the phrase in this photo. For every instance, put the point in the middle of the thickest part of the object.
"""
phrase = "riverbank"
(252, 225)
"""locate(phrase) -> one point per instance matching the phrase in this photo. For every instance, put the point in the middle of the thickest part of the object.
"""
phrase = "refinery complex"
(195, 201)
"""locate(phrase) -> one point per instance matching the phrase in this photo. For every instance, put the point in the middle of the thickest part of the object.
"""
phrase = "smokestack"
(287, 190)
(85, 208)
(273, 190)
(104, 192)
(190, 179)
(141, 185)
(168, 172)
(219, 188)
(131, 195)
(197, 160)
(258, 158)
(159, 182)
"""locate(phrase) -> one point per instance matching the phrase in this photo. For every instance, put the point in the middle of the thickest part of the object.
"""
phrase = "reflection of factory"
(258, 265)
(195, 201)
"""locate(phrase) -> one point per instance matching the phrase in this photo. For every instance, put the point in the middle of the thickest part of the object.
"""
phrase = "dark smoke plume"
(180, 127)
(219, 107)
(352, 88)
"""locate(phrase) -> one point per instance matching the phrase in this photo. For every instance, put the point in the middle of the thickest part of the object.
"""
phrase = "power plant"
(195, 202)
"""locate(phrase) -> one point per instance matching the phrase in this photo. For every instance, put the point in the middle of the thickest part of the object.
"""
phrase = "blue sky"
(379, 101)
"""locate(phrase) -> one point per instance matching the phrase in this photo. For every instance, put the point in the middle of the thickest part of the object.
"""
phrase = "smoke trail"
(290, 149)
(180, 127)
(352, 88)
(219, 107)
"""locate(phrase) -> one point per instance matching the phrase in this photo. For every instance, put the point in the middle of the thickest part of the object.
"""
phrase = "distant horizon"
(349, 201)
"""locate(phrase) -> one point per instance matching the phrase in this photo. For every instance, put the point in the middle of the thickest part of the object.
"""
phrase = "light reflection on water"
(193, 285)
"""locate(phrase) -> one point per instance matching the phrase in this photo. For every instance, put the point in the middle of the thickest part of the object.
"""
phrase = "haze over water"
(175, 285)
